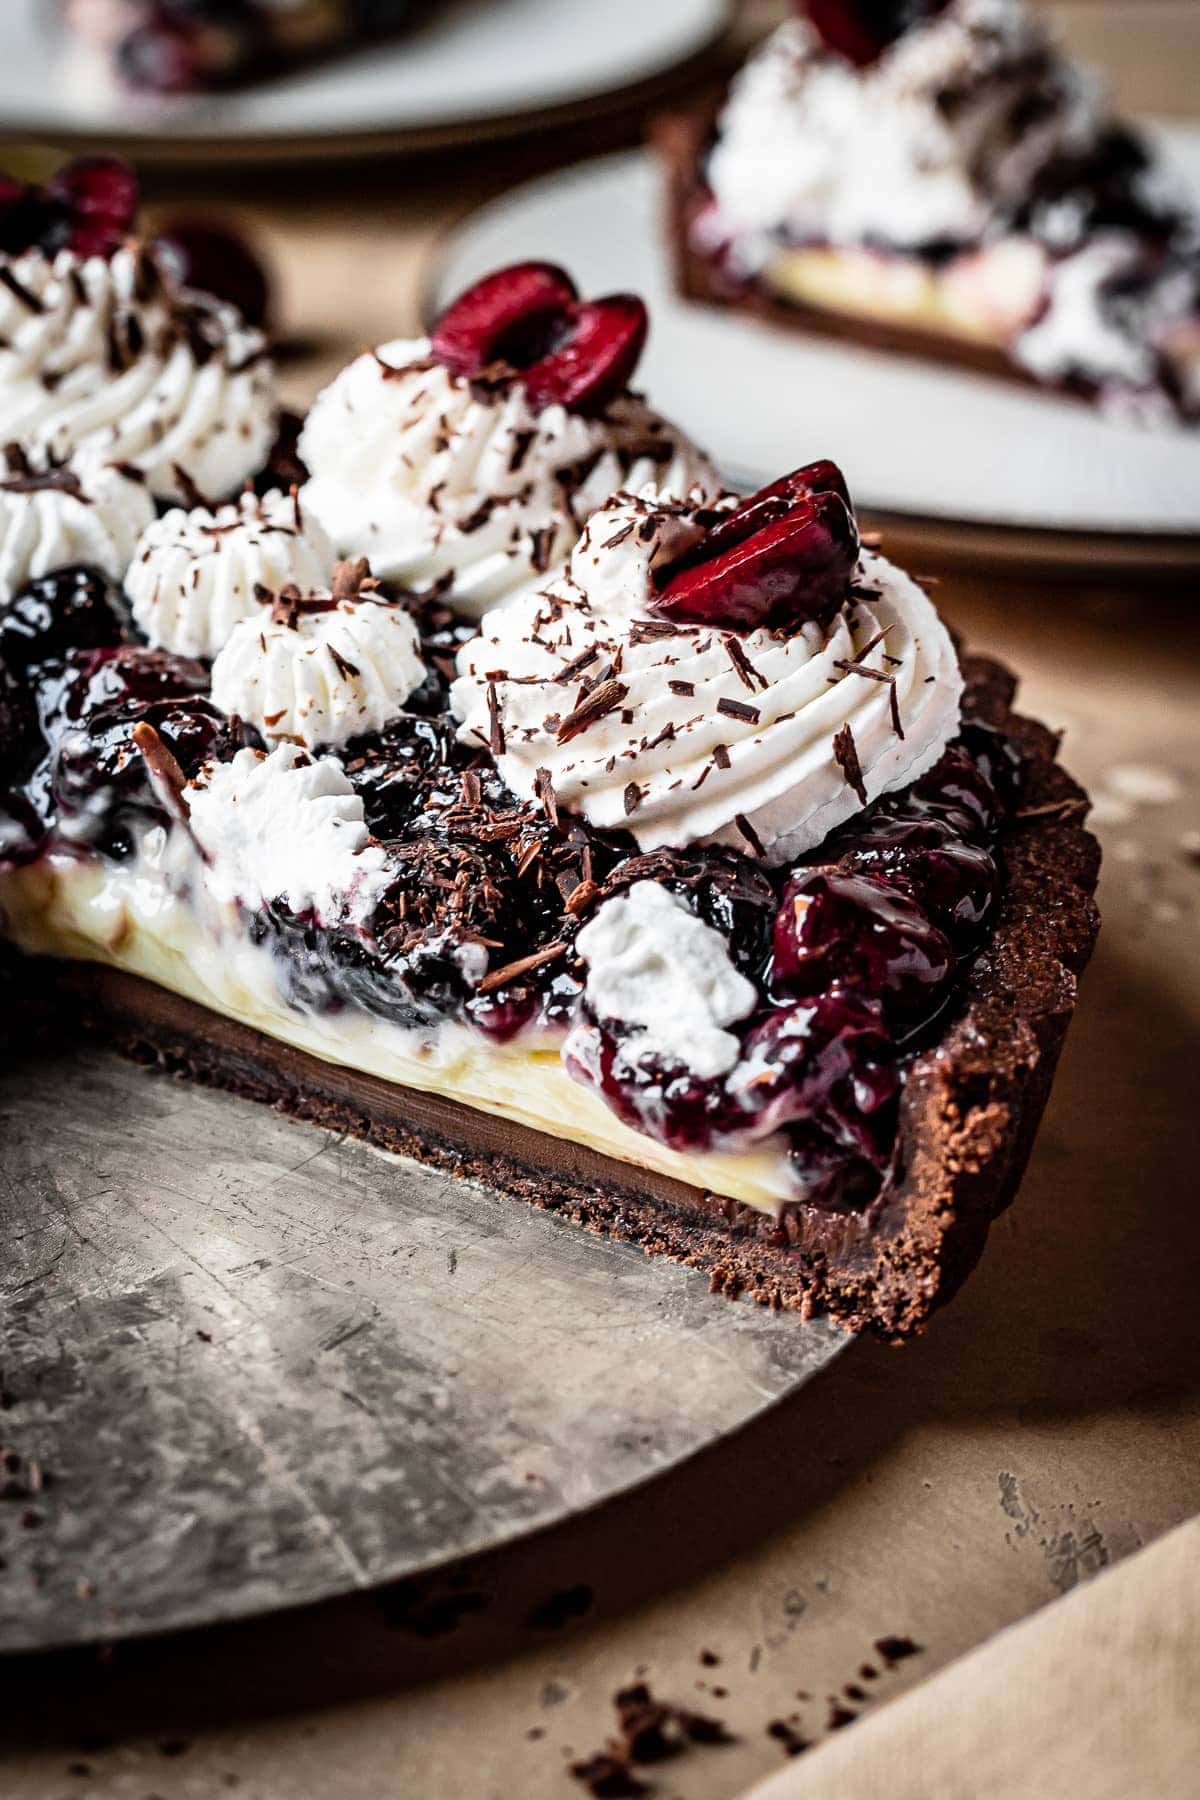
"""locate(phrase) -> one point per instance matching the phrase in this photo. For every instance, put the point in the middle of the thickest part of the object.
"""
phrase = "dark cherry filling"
(853, 956)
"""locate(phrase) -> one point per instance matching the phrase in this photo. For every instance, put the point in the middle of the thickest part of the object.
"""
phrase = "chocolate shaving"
(581, 897)
(845, 755)
(748, 832)
(633, 798)
(747, 672)
(1053, 809)
(543, 789)
(345, 668)
(541, 548)
(618, 537)
(194, 497)
(687, 688)
(720, 756)
(351, 579)
(577, 665)
(164, 769)
(894, 703)
(524, 965)
(739, 709)
(496, 738)
(16, 460)
(63, 481)
(602, 700)
(19, 291)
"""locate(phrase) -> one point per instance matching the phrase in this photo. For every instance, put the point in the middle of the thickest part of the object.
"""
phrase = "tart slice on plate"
(938, 176)
(170, 47)
(514, 797)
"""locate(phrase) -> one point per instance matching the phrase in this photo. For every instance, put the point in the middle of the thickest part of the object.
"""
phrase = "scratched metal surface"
(257, 1365)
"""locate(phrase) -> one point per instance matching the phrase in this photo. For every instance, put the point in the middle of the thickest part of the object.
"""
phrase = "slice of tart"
(937, 176)
(694, 886)
(171, 47)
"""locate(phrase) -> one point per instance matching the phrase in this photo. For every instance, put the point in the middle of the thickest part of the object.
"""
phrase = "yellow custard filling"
(128, 916)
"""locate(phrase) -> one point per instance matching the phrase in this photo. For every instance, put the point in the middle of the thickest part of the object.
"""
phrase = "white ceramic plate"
(913, 437)
(465, 63)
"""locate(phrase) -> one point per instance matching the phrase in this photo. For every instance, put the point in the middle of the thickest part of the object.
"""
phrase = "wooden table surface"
(1048, 1424)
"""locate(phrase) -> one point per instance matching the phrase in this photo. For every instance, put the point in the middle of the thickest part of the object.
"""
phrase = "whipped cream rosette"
(322, 669)
(195, 575)
(87, 513)
(442, 461)
(106, 355)
(612, 686)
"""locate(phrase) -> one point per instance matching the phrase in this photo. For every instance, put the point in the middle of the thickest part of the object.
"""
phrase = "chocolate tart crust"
(681, 139)
(969, 1111)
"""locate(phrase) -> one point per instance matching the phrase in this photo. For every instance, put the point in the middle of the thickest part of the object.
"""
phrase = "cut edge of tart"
(969, 1108)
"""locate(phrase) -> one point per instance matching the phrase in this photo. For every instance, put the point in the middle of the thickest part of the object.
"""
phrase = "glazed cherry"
(861, 30)
(956, 883)
(997, 759)
(574, 353)
(90, 207)
(100, 197)
(72, 609)
(860, 932)
(957, 791)
(783, 556)
(216, 260)
(826, 1063)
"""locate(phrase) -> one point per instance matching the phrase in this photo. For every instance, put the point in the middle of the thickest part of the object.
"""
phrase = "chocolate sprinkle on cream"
(748, 832)
(845, 755)
(495, 722)
(738, 709)
(602, 700)
(633, 798)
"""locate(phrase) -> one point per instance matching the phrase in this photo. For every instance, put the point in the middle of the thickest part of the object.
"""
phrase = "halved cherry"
(100, 197)
(502, 316)
(569, 352)
(861, 30)
(596, 358)
(785, 555)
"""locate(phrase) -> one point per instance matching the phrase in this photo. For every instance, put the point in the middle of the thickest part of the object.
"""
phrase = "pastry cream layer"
(127, 916)
(986, 297)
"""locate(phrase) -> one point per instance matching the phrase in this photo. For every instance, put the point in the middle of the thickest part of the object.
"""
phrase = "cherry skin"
(216, 260)
(528, 318)
(864, 933)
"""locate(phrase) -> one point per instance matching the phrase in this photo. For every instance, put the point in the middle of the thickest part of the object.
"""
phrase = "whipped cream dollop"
(286, 827)
(765, 740)
(195, 575)
(84, 513)
(320, 670)
(664, 978)
(109, 356)
(433, 475)
(920, 148)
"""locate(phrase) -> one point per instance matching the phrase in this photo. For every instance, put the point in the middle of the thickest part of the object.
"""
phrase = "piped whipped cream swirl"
(108, 356)
(286, 827)
(433, 475)
(321, 670)
(685, 733)
(919, 148)
(87, 512)
(195, 575)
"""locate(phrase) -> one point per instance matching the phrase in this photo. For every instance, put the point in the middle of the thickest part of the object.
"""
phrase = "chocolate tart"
(969, 1111)
(681, 140)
